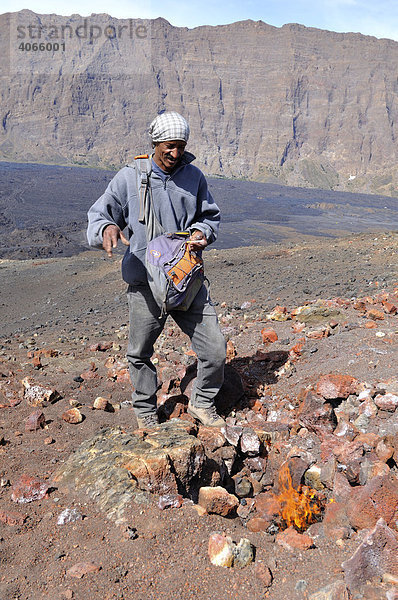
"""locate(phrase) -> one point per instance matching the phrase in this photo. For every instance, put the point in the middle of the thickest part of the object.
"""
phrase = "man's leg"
(201, 324)
(145, 328)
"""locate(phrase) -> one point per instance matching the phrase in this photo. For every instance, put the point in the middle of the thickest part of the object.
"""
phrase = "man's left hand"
(197, 241)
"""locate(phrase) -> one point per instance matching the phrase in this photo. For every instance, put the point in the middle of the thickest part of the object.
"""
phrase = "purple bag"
(175, 273)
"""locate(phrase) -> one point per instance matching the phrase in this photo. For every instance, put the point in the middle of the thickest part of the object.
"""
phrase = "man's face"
(168, 154)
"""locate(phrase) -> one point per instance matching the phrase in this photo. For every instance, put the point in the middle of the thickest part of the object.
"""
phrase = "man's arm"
(106, 218)
(207, 218)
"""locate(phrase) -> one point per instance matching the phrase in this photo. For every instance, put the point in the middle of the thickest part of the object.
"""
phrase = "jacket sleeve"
(108, 210)
(207, 218)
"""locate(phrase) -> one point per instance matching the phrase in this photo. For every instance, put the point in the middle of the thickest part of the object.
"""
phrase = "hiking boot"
(148, 421)
(207, 416)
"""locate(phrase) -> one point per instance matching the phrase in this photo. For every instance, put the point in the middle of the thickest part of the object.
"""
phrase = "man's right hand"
(110, 236)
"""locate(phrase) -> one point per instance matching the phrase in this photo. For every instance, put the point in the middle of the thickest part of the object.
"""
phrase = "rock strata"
(293, 104)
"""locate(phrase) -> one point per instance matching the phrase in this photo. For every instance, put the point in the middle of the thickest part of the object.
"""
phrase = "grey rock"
(69, 515)
(243, 554)
(378, 554)
(334, 591)
(249, 442)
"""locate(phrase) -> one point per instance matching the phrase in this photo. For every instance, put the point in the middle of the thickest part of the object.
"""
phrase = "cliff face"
(293, 104)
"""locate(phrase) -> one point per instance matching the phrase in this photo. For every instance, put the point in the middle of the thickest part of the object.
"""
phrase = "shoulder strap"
(143, 168)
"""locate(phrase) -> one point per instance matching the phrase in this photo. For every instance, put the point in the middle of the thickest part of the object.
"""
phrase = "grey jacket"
(181, 203)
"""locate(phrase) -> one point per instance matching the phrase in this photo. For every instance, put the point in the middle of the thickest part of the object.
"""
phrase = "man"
(181, 202)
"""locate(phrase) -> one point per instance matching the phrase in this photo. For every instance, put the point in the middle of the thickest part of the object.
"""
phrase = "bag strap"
(143, 169)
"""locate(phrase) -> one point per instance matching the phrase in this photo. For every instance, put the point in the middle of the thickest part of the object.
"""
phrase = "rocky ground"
(311, 398)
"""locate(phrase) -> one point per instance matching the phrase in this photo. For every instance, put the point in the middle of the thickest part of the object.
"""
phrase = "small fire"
(299, 507)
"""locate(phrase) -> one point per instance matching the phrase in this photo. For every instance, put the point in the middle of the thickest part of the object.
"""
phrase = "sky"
(370, 17)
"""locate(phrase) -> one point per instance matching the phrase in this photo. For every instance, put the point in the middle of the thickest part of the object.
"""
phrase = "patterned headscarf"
(169, 126)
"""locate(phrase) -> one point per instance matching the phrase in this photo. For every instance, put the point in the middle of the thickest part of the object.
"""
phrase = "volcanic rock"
(386, 402)
(379, 498)
(28, 489)
(263, 573)
(291, 540)
(36, 394)
(314, 413)
(35, 421)
(378, 554)
(221, 550)
(217, 500)
(335, 591)
(83, 568)
(113, 466)
(73, 416)
(336, 386)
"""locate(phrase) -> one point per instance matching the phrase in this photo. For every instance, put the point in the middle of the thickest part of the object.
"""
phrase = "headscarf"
(169, 126)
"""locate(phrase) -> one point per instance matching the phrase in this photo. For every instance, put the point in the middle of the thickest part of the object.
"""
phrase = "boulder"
(377, 555)
(115, 467)
(367, 504)
(335, 386)
(218, 501)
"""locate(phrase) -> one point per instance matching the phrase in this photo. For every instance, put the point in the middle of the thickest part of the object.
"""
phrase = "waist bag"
(175, 273)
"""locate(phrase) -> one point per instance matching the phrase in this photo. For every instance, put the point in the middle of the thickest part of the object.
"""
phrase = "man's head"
(169, 133)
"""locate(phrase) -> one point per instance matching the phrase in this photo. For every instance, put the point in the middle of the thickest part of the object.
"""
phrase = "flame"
(299, 507)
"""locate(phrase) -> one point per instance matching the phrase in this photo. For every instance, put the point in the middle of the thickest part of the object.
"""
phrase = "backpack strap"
(143, 169)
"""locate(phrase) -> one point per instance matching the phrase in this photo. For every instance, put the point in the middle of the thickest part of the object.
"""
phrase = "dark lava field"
(43, 211)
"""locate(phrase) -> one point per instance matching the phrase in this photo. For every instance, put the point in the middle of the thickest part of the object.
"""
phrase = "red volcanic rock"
(291, 540)
(37, 395)
(83, 568)
(217, 500)
(256, 524)
(335, 521)
(231, 350)
(372, 467)
(334, 386)
(390, 308)
(268, 507)
(384, 450)
(269, 336)
(314, 413)
(367, 504)
(36, 362)
(73, 416)
(27, 489)
(101, 347)
(263, 573)
(90, 374)
(375, 314)
(211, 437)
(12, 518)
(318, 334)
(221, 550)
(360, 305)
(123, 376)
(35, 421)
(334, 591)
(172, 406)
(249, 442)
